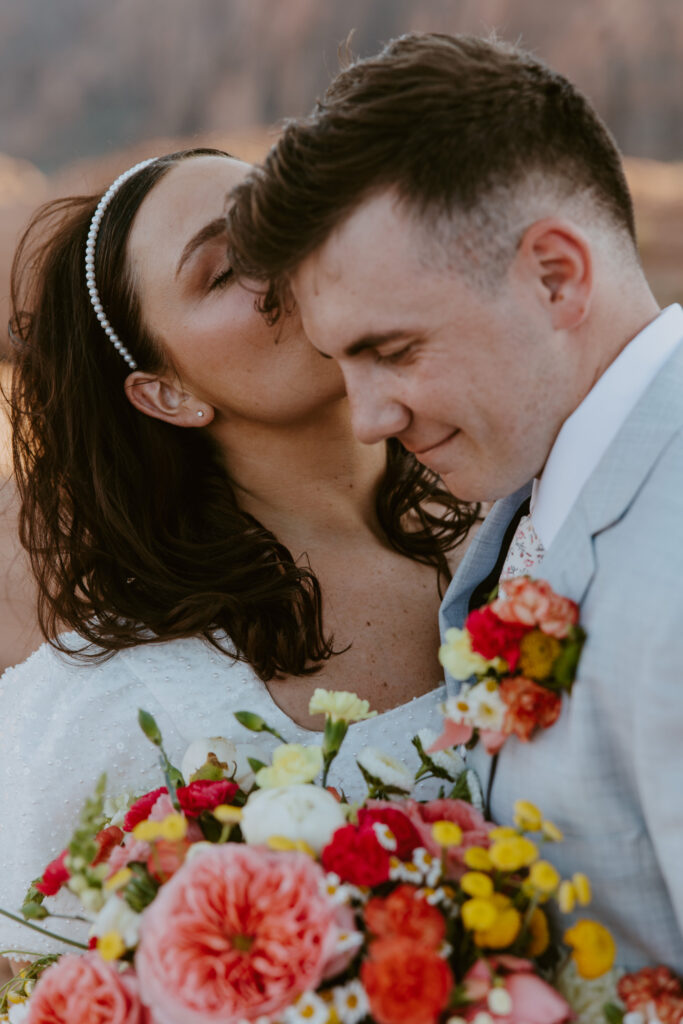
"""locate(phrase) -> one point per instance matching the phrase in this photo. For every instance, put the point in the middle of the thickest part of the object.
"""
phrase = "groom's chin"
(480, 488)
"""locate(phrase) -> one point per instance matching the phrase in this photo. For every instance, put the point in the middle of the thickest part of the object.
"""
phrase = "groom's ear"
(162, 397)
(556, 260)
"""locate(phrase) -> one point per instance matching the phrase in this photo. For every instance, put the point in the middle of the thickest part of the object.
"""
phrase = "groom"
(454, 224)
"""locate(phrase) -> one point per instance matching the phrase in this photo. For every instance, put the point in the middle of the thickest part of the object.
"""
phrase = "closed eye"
(221, 279)
(394, 357)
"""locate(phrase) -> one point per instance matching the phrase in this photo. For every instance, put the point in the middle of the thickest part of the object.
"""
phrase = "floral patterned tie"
(525, 552)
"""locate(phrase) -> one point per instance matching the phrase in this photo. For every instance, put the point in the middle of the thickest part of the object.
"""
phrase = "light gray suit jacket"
(610, 771)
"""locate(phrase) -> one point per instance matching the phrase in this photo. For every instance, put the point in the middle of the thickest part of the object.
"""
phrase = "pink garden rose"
(535, 603)
(238, 932)
(86, 990)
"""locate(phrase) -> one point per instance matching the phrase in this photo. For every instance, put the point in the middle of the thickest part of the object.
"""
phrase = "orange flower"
(529, 707)
(405, 913)
(405, 981)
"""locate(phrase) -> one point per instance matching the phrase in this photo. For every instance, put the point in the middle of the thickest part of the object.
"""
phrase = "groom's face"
(466, 379)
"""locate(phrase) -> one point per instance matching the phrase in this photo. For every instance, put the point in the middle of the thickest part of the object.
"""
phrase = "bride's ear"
(163, 398)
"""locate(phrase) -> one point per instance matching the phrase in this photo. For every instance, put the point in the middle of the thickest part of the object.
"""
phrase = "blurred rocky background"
(88, 87)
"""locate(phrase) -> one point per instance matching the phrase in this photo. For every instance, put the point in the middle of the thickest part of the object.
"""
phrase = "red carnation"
(493, 638)
(405, 913)
(107, 840)
(357, 856)
(404, 832)
(141, 809)
(54, 876)
(529, 707)
(204, 795)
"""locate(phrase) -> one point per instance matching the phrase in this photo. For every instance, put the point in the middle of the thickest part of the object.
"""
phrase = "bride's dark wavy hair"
(132, 525)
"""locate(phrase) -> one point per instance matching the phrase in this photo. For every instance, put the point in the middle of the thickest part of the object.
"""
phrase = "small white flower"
(483, 1018)
(500, 1001)
(449, 760)
(351, 1002)
(115, 808)
(18, 1012)
(117, 916)
(386, 768)
(402, 871)
(636, 1017)
(308, 1009)
(487, 706)
(385, 837)
(459, 708)
(341, 893)
(428, 865)
(296, 812)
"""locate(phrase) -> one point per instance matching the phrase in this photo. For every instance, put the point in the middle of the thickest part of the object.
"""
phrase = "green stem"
(42, 931)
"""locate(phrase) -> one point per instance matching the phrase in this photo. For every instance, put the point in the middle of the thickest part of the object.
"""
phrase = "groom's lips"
(423, 453)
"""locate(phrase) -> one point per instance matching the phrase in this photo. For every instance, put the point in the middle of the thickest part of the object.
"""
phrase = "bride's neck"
(305, 481)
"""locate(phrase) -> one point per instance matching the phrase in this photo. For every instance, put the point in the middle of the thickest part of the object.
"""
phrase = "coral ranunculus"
(529, 707)
(238, 932)
(405, 981)
(405, 913)
(86, 990)
(535, 603)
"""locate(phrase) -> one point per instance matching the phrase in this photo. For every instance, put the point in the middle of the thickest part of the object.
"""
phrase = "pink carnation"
(140, 810)
(475, 828)
(535, 603)
(238, 932)
(86, 990)
(55, 875)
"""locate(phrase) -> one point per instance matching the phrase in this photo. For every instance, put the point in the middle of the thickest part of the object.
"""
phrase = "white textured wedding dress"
(64, 722)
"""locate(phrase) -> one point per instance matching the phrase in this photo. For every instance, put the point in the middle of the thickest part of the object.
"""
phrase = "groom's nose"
(375, 412)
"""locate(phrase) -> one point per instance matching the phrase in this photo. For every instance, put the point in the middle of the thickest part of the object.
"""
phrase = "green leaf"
(34, 911)
(255, 764)
(567, 661)
(147, 723)
(613, 1013)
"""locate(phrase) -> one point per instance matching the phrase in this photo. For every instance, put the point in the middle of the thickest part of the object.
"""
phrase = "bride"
(206, 534)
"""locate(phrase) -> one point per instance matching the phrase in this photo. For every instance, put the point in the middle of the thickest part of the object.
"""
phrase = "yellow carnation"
(478, 914)
(173, 827)
(593, 948)
(538, 652)
(503, 832)
(527, 816)
(458, 658)
(552, 832)
(475, 883)
(340, 705)
(513, 853)
(292, 764)
(544, 877)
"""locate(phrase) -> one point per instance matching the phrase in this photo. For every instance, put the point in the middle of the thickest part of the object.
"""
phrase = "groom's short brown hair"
(452, 124)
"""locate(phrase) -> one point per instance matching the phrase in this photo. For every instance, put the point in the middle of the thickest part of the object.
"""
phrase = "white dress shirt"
(589, 431)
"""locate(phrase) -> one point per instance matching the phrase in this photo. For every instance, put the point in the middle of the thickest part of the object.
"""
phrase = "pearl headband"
(90, 245)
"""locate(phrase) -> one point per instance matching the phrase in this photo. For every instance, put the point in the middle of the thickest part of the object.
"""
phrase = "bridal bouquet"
(240, 891)
(515, 657)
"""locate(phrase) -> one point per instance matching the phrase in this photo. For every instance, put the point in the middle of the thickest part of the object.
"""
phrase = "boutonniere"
(515, 657)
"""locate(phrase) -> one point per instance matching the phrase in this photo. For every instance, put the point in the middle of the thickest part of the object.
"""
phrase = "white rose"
(235, 755)
(18, 1012)
(117, 916)
(386, 768)
(303, 812)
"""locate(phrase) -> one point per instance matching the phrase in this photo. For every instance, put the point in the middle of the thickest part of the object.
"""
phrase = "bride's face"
(219, 345)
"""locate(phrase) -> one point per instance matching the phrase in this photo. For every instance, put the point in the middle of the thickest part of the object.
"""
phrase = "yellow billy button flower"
(478, 914)
(293, 763)
(476, 883)
(227, 815)
(593, 948)
(446, 833)
(118, 880)
(582, 888)
(566, 897)
(504, 929)
(147, 831)
(513, 853)
(539, 933)
(544, 877)
(111, 946)
(173, 827)
(552, 832)
(503, 832)
(478, 859)
(527, 816)
(340, 705)
(537, 655)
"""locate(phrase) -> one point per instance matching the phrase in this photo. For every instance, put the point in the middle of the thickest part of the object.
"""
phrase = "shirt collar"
(588, 432)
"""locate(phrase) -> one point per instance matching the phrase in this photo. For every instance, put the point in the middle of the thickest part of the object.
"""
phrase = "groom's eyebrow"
(374, 340)
(212, 230)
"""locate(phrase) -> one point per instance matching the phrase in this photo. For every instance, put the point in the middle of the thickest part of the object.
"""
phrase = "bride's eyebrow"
(211, 230)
